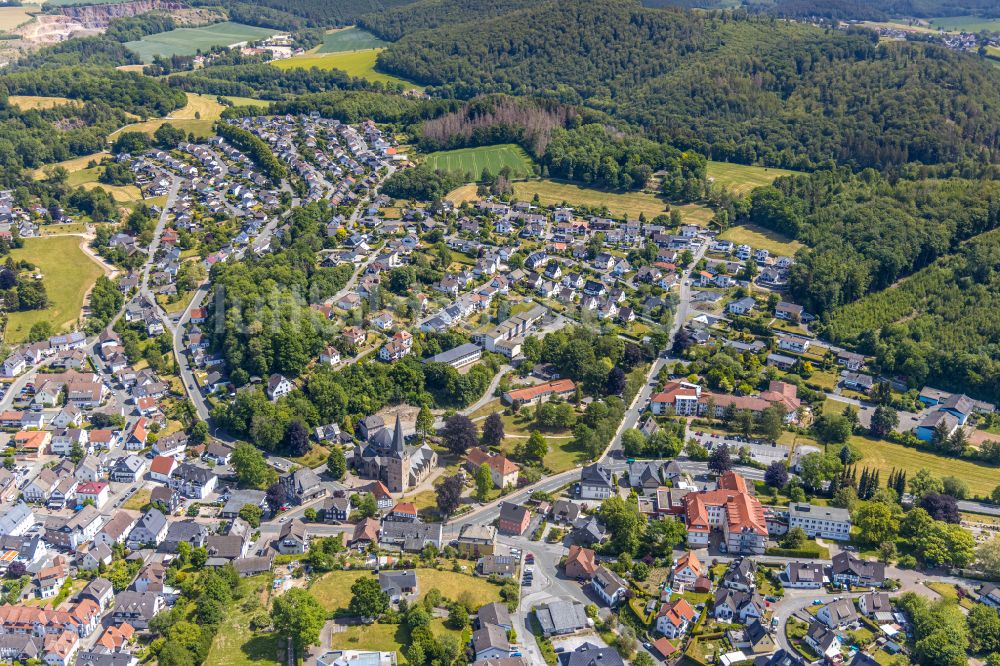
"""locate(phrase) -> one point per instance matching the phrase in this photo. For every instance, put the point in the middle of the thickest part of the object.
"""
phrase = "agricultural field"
(349, 39)
(758, 237)
(31, 102)
(188, 41)
(69, 274)
(12, 17)
(360, 64)
(965, 23)
(740, 178)
(197, 116)
(474, 160)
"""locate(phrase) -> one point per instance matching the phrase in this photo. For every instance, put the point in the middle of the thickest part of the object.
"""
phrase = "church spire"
(397, 436)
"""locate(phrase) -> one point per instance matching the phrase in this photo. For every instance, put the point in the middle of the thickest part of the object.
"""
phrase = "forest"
(730, 85)
(864, 231)
(391, 25)
(940, 326)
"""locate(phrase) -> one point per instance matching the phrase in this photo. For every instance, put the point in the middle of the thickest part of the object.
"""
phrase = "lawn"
(622, 204)
(966, 23)
(758, 237)
(316, 455)
(740, 178)
(187, 41)
(562, 454)
(383, 637)
(68, 274)
(197, 116)
(68, 228)
(29, 102)
(349, 39)
(471, 162)
(235, 644)
(982, 479)
(360, 64)
(12, 17)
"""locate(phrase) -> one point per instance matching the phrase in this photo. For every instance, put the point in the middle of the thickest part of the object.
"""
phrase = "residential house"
(560, 617)
(850, 570)
(674, 618)
(514, 519)
(596, 482)
(293, 539)
(609, 586)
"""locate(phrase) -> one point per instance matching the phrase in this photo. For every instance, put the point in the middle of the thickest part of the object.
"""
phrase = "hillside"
(426, 14)
(940, 326)
(739, 88)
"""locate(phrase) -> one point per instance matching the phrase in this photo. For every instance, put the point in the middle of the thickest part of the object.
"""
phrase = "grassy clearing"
(758, 237)
(69, 273)
(740, 178)
(627, 204)
(333, 590)
(472, 161)
(12, 17)
(982, 479)
(30, 102)
(356, 63)
(72, 165)
(236, 644)
(196, 116)
(187, 41)
(965, 23)
(349, 39)
(139, 499)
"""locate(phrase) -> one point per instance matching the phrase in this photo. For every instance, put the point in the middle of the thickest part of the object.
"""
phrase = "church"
(387, 457)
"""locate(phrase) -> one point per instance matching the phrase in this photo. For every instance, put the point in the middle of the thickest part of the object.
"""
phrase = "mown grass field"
(247, 101)
(740, 178)
(360, 64)
(30, 102)
(68, 274)
(349, 39)
(187, 41)
(554, 192)
(472, 161)
(965, 23)
(758, 237)
(196, 116)
(982, 479)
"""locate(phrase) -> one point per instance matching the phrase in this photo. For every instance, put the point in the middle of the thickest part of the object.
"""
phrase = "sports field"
(187, 41)
(758, 237)
(360, 64)
(196, 116)
(473, 161)
(68, 273)
(965, 23)
(349, 39)
(740, 178)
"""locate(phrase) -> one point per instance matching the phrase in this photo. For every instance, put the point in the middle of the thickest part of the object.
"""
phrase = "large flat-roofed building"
(827, 522)
(459, 356)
